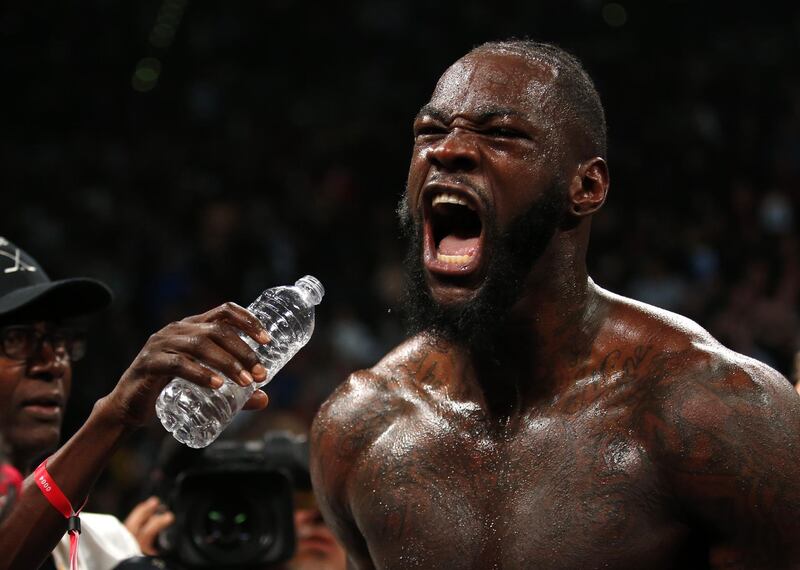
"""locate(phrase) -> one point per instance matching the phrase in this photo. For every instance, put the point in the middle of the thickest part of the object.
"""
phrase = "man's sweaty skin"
(595, 432)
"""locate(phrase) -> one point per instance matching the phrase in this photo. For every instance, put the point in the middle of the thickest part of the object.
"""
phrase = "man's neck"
(551, 328)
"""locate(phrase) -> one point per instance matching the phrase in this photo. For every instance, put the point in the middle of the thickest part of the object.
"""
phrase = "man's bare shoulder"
(685, 369)
(354, 417)
(380, 388)
(632, 322)
(369, 401)
(683, 353)
(722, 427)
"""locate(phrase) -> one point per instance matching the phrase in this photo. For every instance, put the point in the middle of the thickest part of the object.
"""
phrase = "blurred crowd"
(271, 140)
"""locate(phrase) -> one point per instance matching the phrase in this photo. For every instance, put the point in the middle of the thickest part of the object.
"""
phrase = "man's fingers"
(149, 531)
(227, 337)
(145, 522)
(217, 346)
(258, 401)
(238, 317)
(140, 513)
(177, 365)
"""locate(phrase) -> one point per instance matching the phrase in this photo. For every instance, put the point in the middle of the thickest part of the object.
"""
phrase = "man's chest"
(557, 493)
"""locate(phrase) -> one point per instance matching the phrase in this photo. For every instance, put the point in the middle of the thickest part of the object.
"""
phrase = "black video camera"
(233, 504)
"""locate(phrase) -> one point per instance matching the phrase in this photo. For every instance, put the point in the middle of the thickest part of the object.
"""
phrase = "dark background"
(192, 152)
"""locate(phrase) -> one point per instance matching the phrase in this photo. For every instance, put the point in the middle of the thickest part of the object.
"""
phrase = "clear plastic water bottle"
(196, 415)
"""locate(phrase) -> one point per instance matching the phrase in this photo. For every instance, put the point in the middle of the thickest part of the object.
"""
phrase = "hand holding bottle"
(197, 349)
(196, 415)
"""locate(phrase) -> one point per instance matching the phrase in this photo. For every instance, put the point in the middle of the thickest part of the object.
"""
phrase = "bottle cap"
(312, 287)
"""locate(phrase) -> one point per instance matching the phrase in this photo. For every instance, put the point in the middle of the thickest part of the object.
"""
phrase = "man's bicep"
(341, 432)
(329, 482)
(734, 463)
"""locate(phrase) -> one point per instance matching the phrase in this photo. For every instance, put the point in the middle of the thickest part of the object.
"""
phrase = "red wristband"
(52, 492)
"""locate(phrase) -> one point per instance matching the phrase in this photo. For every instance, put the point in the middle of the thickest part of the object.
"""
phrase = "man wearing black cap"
(37, 348)
(35, 383)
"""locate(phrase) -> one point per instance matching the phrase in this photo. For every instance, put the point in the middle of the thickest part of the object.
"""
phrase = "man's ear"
(589, 187)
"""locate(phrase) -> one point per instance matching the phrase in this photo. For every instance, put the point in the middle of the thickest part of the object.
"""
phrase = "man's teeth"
(454, 259)
(451, 199)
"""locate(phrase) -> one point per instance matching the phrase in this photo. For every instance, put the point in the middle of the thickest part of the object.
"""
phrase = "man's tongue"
(454, 245)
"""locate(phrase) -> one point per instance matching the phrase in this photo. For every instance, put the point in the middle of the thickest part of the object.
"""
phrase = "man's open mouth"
(453, 231)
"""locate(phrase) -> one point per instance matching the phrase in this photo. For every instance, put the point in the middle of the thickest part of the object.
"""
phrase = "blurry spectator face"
(317, 548)
(35, 380)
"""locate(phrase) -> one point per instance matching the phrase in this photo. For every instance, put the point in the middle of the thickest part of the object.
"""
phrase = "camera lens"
(229, 528)
(233, 510)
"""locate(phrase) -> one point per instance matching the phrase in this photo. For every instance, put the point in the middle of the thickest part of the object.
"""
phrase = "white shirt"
(104, 543)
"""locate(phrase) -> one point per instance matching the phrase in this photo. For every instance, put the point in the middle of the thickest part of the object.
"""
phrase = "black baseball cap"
(27, 293)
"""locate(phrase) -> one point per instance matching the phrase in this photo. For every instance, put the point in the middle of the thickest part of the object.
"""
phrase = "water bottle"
(196, 415)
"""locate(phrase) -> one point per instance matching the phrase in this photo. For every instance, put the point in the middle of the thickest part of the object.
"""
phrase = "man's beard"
(475, 324)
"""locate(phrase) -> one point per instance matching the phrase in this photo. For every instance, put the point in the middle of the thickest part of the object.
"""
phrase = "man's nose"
(457, 152)
(47, 362)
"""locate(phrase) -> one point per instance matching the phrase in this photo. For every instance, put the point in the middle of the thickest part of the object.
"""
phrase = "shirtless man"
(536, 420)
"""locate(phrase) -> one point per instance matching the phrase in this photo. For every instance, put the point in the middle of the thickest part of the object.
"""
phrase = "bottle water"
(196, 415)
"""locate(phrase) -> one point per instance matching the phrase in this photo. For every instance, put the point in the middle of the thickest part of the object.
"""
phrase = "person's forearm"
(34, 527)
